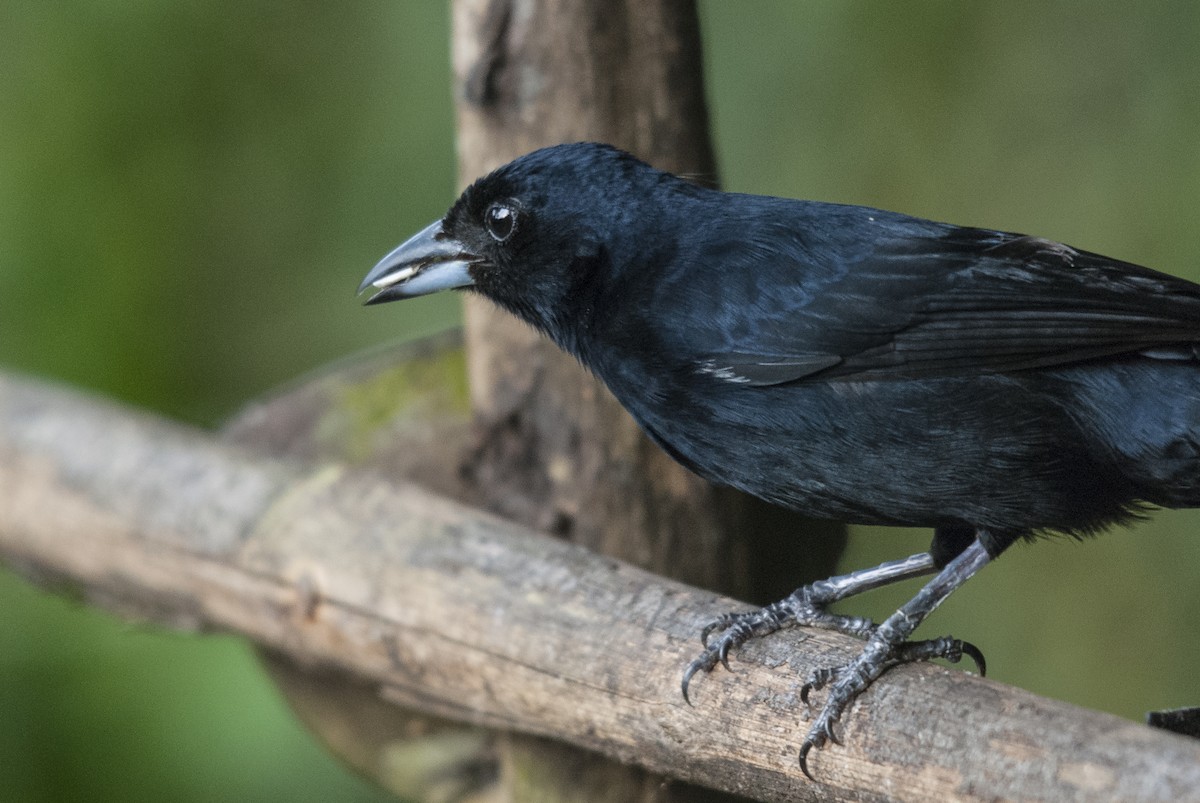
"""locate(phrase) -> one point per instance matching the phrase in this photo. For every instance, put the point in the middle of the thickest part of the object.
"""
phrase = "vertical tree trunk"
(557, 451)
(553, 448)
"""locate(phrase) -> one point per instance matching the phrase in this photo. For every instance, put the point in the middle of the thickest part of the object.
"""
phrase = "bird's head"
(540, 236)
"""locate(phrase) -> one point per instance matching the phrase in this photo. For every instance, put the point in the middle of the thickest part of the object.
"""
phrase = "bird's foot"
(886, 645)
(806, 606)
(848, 681)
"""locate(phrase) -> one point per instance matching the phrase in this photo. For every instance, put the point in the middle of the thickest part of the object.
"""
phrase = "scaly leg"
(887, 647)
(886, 643)
(805, 606)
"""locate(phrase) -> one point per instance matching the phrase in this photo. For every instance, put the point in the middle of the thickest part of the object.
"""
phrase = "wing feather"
(967, 302)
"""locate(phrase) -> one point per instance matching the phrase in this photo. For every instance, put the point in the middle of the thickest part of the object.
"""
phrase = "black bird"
(846, 362)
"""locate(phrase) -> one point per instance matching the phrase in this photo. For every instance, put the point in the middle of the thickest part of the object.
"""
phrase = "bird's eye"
(501, 221)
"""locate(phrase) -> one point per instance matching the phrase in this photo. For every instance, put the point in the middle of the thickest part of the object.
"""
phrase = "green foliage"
(191, 191)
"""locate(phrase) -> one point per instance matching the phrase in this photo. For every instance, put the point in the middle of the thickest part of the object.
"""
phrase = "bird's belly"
(984, 452)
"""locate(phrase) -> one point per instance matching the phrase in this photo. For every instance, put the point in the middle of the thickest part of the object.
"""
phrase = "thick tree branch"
(450, 611)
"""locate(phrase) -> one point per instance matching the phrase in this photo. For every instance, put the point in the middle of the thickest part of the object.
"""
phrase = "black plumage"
(847, 362)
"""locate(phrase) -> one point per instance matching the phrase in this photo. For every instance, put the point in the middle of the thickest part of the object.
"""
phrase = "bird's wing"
(969, 301)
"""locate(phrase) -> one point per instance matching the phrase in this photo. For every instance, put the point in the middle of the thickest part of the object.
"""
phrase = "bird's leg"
(887, 646)
(805, 606)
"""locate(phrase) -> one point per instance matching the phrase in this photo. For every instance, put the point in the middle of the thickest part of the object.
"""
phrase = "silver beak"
(425, 263)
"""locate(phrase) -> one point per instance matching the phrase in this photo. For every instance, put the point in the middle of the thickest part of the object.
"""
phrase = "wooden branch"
(454, 612)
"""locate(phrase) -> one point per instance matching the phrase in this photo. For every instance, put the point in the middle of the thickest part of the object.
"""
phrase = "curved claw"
(973, 652)
(708, 630)
(683, 686)
(692, 669)
(816, 681)
(829, 734)
(804, 750)
(723, 654)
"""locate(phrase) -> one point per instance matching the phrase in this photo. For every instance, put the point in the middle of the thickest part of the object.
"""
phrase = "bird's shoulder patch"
(758, 370)
(1026, 248)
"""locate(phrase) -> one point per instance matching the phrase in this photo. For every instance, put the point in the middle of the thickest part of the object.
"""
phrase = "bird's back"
(871, 367)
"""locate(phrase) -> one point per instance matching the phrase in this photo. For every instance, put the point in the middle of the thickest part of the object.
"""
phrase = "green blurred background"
(190, 192)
